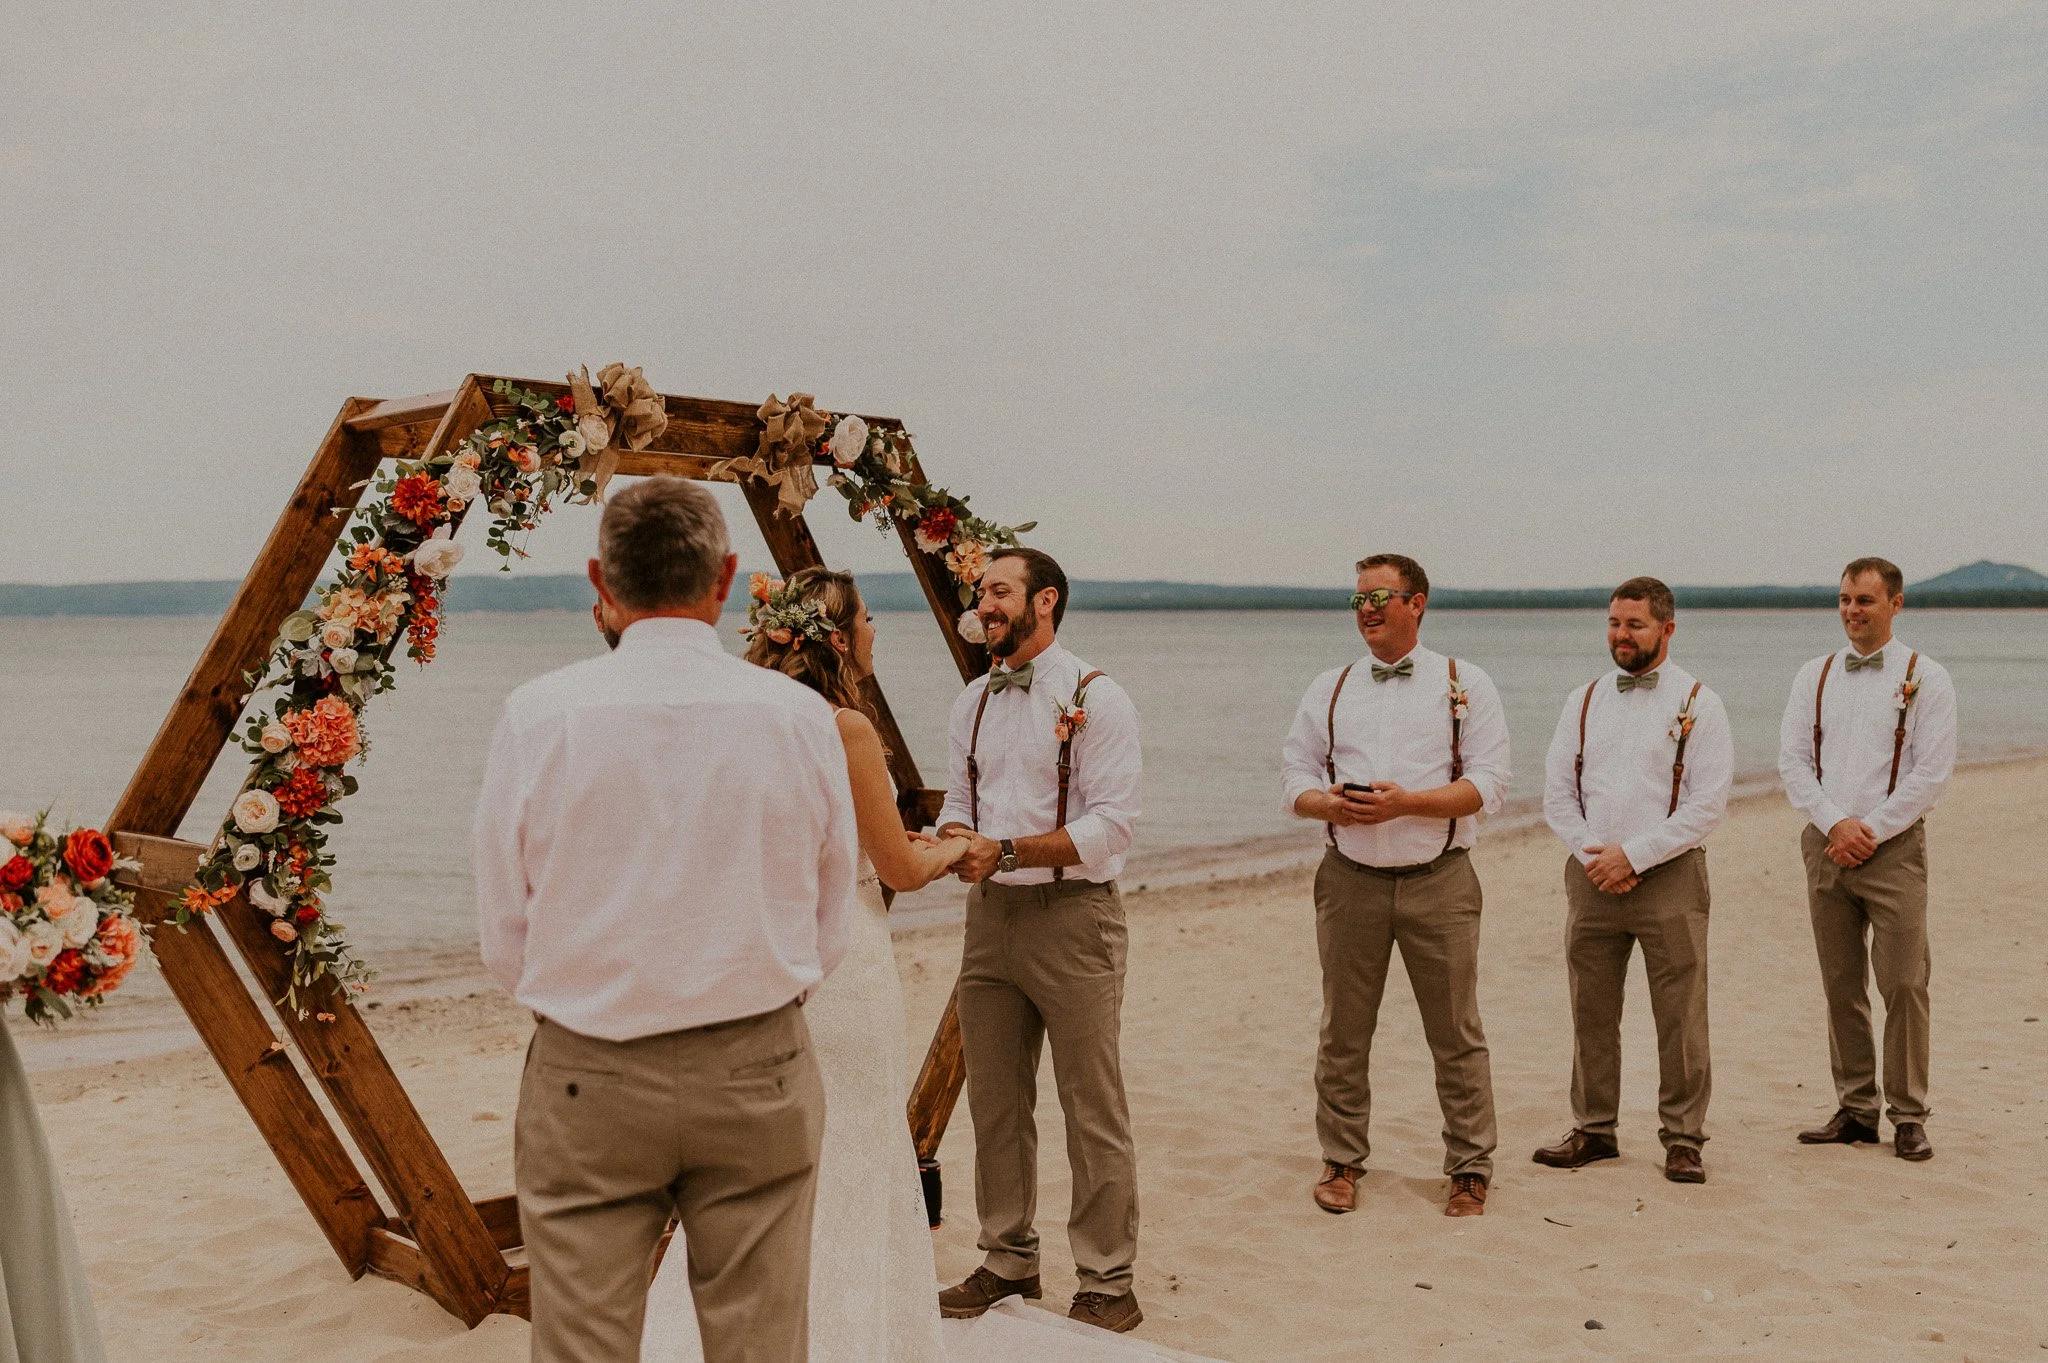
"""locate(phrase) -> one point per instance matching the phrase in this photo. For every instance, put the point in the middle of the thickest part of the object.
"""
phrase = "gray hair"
(662, 543)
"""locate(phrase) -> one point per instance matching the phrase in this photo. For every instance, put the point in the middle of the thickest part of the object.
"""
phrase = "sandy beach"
(199, 1250)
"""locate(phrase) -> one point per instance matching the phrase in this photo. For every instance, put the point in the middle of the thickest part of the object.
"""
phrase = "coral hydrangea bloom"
(326, 734)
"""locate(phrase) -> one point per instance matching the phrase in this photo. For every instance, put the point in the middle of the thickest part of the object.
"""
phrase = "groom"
(665, 867)
(1045, 787)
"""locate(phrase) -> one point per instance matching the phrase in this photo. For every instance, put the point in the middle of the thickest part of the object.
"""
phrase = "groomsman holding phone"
(1637, 776)
(1395, 753)
(1868, 741)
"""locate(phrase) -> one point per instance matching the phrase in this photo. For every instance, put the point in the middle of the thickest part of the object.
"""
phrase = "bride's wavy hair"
(814, 662)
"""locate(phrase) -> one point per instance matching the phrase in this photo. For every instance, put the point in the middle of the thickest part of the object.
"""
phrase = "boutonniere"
(1070, 717)
(1461, 701)
(1908, 689)
(1682, 722)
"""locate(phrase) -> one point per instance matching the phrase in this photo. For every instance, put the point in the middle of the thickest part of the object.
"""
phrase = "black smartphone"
(1354, 788)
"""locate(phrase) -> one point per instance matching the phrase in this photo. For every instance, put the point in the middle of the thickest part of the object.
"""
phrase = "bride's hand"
(953, 849)
(921, 839)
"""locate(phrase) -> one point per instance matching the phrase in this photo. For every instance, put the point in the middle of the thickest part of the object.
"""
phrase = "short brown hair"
(1894, 580)
(662, 543)
(1041, 570)
(1651, 593)
(1413, 579)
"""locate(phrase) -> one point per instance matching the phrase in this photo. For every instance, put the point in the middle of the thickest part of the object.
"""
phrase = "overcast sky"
(1541, 294)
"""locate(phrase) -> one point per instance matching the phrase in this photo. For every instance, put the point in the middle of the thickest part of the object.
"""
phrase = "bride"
(873, 1295)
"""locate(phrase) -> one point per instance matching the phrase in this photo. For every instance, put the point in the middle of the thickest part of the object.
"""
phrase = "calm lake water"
(80, 698)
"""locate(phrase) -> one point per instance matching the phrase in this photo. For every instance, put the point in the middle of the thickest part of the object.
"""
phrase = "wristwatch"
(1006, 862)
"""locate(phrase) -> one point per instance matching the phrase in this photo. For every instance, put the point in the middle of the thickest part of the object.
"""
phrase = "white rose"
(260, 895)
(45, 940)
(337, 634)
(971, 629)
(463, 482)
(276, 738)
(13, 950)
(17, 829)
(343, 659)
(849, 441)
(81, 922)
(595, 430)
(572, 444)
(255, 811)
(248, 857)
(438, 556)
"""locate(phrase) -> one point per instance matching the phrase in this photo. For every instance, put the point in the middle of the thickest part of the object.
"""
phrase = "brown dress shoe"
(1909, 1141)
(1468, 1195)
(1682, 1164)
(1104, 1312)
(982, 1290)
(1338, 1192)
(1578, 1150)
(1842, 1129)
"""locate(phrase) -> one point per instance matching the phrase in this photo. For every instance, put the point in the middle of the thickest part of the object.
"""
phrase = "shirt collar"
(1052, 656)
(667, 633)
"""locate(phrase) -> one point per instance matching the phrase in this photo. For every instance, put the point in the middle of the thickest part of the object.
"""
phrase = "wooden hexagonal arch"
(425, 1230)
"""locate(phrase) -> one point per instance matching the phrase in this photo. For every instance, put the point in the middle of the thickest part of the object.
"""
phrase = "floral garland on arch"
(68, 935)
(876, 470)
(327, 662)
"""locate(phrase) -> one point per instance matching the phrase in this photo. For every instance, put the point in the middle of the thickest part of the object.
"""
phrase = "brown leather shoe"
(1909, 1141)
(982, 1290)
(1338, 1191)
(1578, 1150)
(1104, 1312)
(1844, 1128)
(1468, 1195)
(1682, 1164)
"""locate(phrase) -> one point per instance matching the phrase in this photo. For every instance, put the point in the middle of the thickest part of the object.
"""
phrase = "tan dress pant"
(1667, 913)
(1046, 962)
(719, 1125)
(1872, 919)
(1433, 914)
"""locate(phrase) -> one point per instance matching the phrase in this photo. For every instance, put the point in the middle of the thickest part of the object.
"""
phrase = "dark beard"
(1016, 633)
(1641, 661)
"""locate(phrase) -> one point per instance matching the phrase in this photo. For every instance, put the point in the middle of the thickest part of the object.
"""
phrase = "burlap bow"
(790, 432)
(623, 410)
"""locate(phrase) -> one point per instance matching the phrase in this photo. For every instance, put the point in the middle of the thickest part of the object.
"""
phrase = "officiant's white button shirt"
(665, 839)
(1019, 758)
(1859, 717)
(1399, 730)
(1629, 755)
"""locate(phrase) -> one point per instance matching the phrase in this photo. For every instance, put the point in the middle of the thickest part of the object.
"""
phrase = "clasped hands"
(1610, 869)
(1851, 843)
(1383, 803)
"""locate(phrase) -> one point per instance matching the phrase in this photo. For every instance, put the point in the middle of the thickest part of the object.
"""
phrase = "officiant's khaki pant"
(1667, 913)
(1872, 920)
(719, 1125)
(1046, 962)
(1433, 914)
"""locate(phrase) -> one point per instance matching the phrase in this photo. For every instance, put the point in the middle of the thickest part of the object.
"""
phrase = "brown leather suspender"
(1677, 763)
(1457, 752)
(1330, 757)
(1899, 734)
(1067, 765)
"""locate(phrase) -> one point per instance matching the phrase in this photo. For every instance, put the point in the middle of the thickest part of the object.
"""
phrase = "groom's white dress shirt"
(1630, 749)
(1018, 756)
(1399, 730)
(665, 839)
(1859, 718)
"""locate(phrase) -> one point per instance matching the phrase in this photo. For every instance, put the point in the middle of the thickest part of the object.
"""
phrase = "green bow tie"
(1852, 663)
(1624, 683)
(1000, 681)
(1404, 668)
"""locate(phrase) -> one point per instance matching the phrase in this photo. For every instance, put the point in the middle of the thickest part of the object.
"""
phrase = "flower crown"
(776, 612)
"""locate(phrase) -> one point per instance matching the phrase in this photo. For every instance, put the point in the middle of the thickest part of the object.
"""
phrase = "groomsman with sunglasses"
(1395, 754)
(1868, 741)
(1637, 776)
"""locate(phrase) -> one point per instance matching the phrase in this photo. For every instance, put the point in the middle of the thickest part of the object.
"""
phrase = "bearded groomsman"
(1637, 776)
(1395, 753)
(1868, 741)
(1045, 773)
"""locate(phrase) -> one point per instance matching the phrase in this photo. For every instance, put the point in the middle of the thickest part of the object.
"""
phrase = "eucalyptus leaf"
(299, 626)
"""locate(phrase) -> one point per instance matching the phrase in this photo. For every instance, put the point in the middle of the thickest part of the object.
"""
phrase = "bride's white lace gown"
(873, 1292)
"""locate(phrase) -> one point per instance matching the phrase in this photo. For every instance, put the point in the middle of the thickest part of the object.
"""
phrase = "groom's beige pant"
(719, 1125)
(1046, 962)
